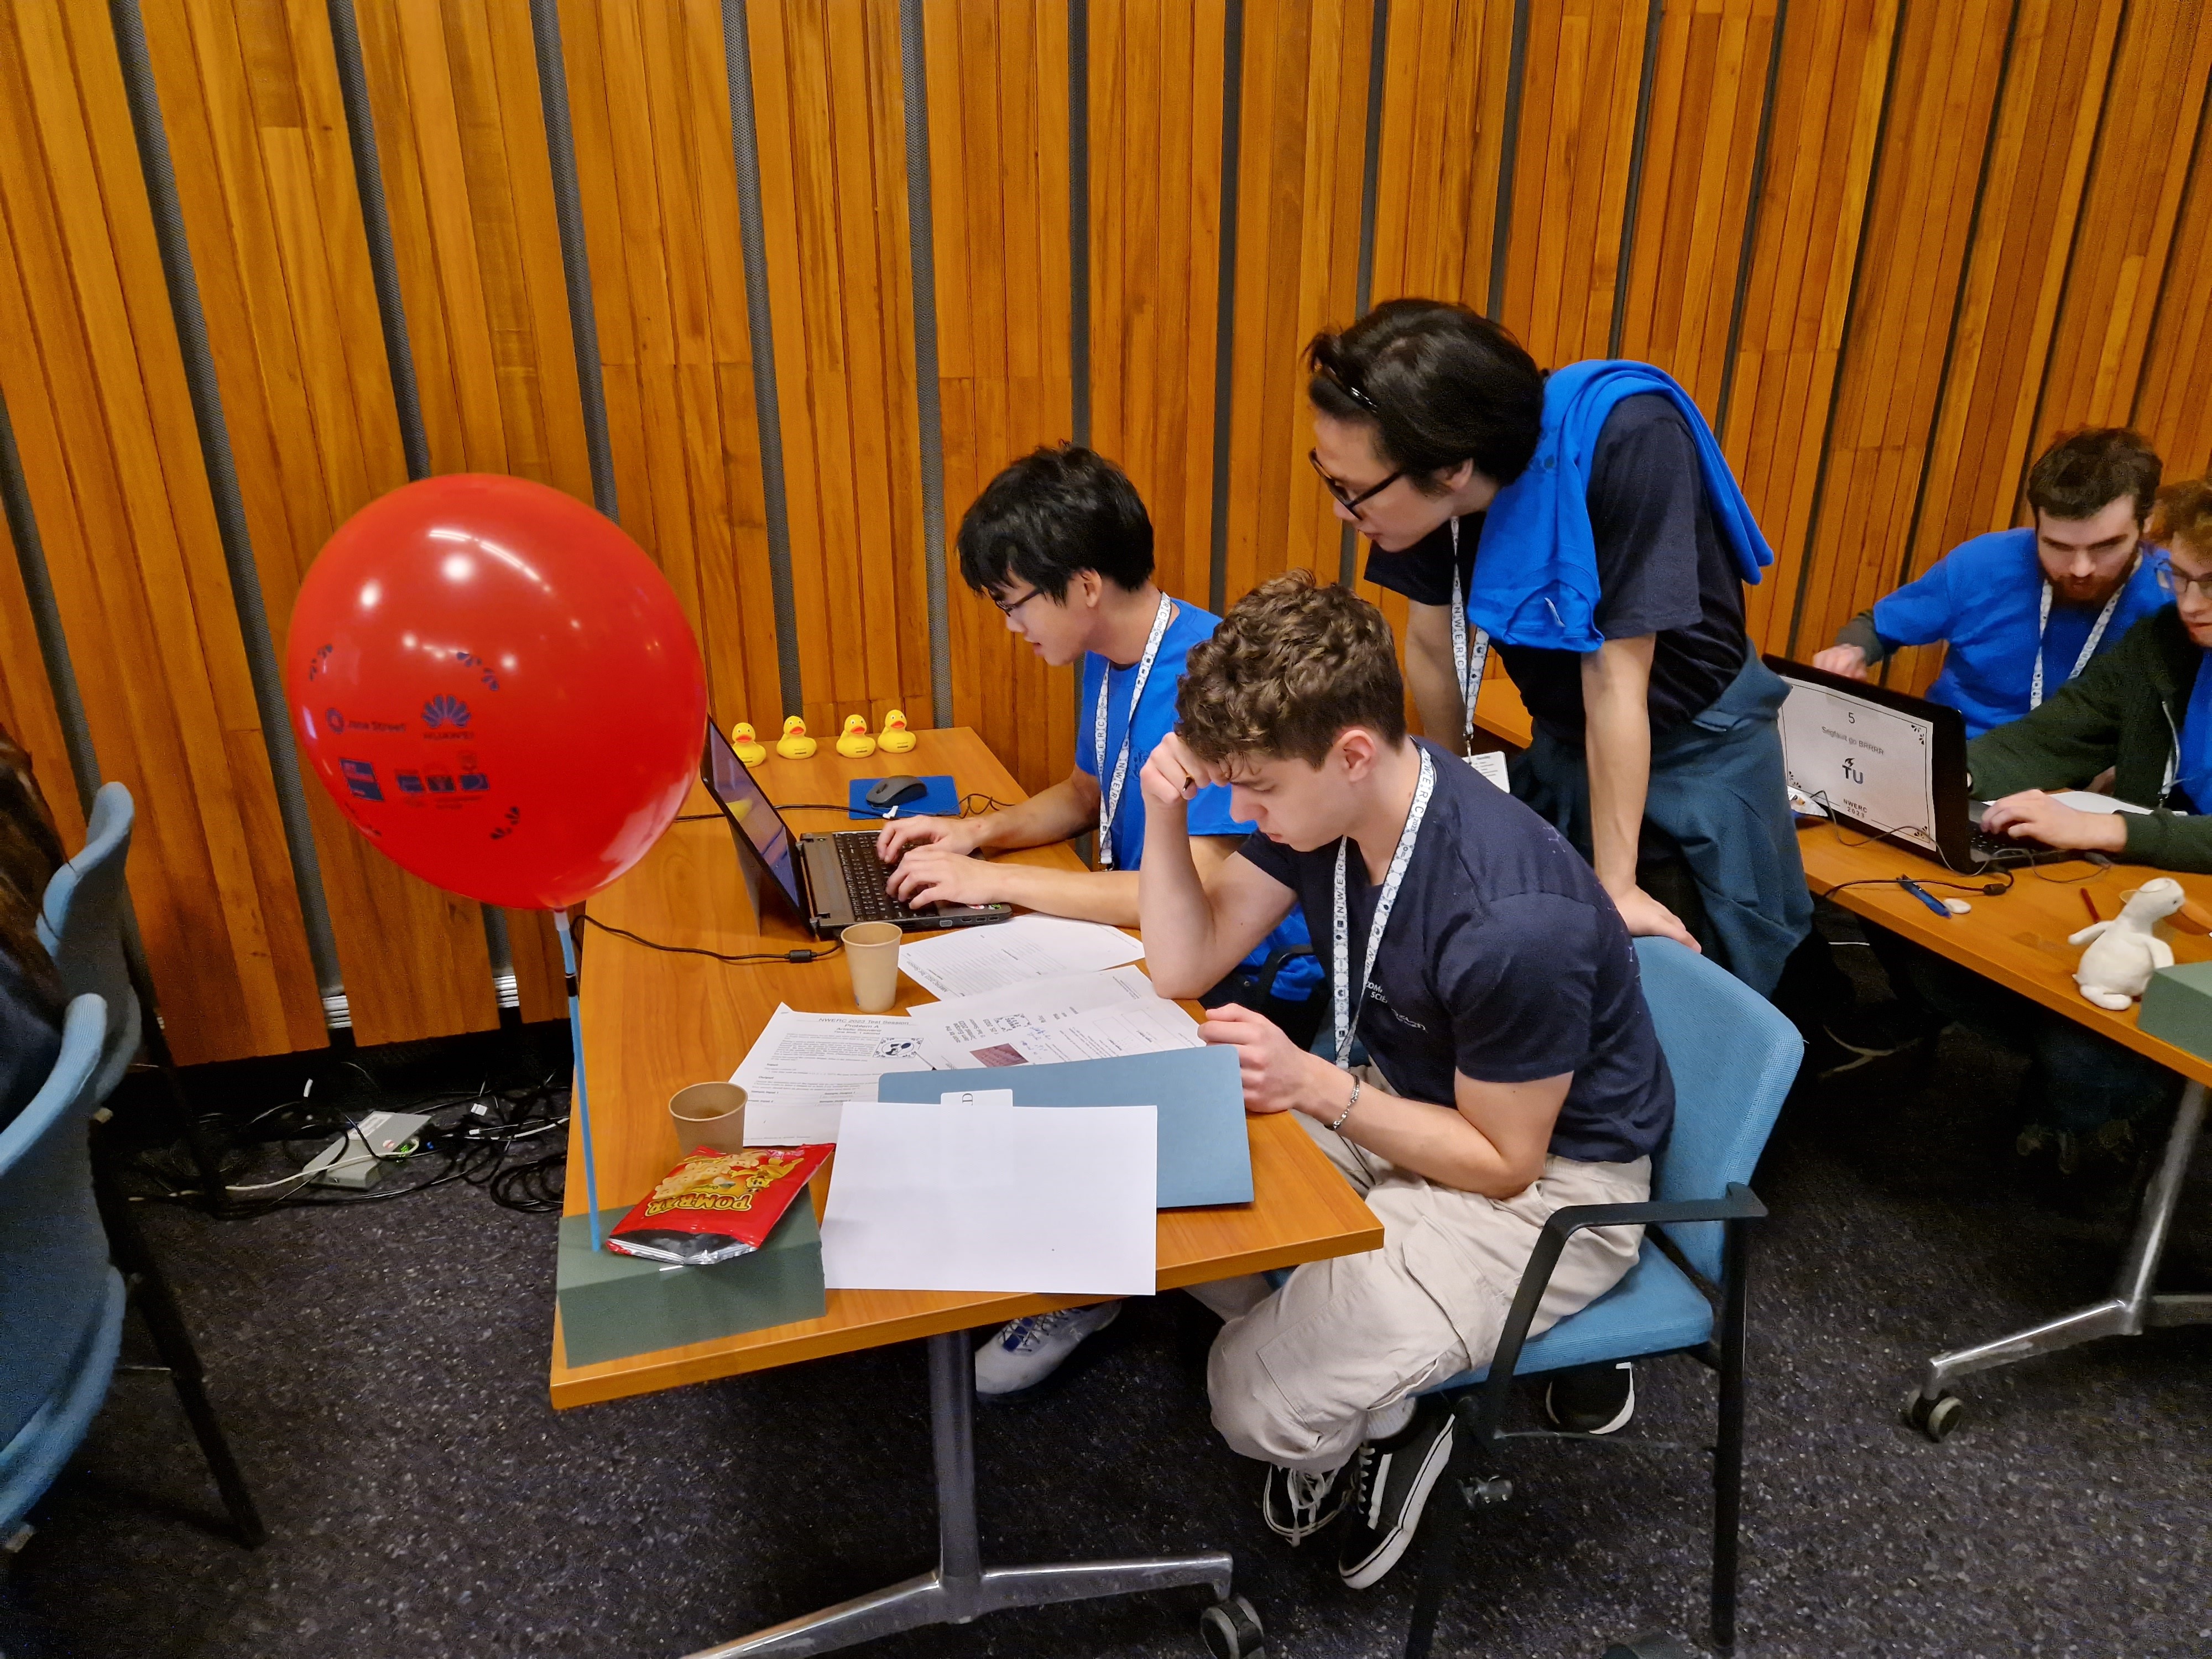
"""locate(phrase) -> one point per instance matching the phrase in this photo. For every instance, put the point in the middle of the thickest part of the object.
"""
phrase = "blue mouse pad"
(937, 800)
(1205, 1155)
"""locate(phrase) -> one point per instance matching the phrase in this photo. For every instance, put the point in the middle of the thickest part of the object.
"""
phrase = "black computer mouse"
(896, 791)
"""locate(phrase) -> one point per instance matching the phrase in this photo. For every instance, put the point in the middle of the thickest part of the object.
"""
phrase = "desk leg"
(961, 1587)
(2130, 1309)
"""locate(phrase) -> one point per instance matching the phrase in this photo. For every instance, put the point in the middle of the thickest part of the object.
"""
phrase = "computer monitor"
(752, 815)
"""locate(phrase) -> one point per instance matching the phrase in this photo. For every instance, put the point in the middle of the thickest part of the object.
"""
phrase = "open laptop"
(831, 881)
(1890, 765)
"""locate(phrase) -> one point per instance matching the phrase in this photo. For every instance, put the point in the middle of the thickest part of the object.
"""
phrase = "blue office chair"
(80, 925)
(1734, 1058)
(61, 1304)
(81, 919)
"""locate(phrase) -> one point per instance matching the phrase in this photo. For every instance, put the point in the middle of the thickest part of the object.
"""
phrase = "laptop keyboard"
(865, 875)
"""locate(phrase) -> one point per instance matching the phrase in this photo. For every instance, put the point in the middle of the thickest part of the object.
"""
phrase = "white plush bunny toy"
(2123, 953)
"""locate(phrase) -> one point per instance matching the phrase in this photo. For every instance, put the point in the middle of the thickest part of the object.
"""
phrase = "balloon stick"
(566, 929)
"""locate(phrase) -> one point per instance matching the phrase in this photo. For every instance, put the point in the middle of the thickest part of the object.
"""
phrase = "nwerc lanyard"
(1468, 665)
(1109, 798)
(1347, 1020)
(2088, 648)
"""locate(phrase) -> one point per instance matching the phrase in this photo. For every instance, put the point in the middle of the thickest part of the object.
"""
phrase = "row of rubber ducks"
(854, 742)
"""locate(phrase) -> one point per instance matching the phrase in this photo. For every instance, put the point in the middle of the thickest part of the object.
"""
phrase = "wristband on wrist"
(1358, 1084)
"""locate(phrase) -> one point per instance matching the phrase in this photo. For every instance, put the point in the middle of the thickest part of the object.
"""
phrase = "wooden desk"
(654, 1022)
(2019, 940)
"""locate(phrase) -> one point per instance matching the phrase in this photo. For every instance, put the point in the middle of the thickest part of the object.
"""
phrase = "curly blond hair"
(2184, 515)
(1291, 665)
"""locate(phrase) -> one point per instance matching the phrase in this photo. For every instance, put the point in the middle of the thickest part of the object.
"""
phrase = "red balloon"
(498, 687)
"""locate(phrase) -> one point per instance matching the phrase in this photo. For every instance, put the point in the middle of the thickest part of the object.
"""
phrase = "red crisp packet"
(714, 1205)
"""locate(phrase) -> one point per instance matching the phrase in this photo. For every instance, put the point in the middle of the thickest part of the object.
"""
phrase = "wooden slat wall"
(1298, 239)
(257, 133)
(95, 388)
(1156, 109)
(833, 190)
(454, 97)
(1972, 224)
(998, 181)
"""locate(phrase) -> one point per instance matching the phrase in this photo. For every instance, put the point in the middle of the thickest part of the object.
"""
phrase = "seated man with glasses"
(2142, 713)
(1061, 543)
(2020, 612)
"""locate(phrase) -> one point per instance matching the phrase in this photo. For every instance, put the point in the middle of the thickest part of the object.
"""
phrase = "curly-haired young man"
(1512, 1066)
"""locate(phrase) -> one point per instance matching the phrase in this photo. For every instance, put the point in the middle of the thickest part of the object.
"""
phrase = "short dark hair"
(1292, 665)
(1053, 513)
(1440, 385)
(2086, 472)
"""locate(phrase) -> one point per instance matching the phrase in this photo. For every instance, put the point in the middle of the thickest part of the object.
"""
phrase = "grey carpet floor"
(382, 1373)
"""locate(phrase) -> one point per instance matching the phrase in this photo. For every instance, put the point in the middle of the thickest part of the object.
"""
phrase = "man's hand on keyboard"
(900, 834)
(933, 873)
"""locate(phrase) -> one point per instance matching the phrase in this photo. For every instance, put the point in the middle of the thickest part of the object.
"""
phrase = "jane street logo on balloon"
(445, 711)
(337, 722)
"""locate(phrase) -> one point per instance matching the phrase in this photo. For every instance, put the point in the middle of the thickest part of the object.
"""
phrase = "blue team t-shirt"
(1155, 718)
(1983, 598)
(1505, 960)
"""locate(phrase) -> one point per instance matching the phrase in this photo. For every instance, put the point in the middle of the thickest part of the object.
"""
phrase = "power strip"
(356, 1159)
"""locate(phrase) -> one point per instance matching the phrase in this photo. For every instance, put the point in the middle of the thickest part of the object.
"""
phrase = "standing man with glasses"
(2020, 612)
(1586, 523)
(1061, 543)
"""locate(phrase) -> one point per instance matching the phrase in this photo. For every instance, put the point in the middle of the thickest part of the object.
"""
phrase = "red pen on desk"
(2089, 903)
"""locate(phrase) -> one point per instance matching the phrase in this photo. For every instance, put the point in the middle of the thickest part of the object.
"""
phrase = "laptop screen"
(751, 813)
(1861, 757)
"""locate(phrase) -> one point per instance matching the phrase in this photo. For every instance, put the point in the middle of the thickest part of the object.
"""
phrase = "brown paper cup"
(711, 1114)
(872, 950)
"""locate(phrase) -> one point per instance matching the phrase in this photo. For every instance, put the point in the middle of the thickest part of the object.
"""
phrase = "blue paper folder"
(1204, 1158)
(939, 799)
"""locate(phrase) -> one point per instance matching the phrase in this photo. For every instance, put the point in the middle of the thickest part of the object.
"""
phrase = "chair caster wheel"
(1934, 1418)
(1231, 1630)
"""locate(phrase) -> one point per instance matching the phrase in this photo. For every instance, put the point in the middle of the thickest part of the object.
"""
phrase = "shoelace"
(1033, 1329)
(1305, 1492)
(1365, 1480)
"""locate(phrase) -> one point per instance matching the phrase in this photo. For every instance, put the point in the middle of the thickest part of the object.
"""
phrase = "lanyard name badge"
(2088, 646)
(1468, 660)
(1347, 1019)
(1109, 797)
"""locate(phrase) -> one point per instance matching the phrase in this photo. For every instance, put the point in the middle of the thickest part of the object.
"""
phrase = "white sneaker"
(1026, 1352)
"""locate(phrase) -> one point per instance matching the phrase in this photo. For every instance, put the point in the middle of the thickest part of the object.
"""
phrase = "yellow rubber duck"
(896, 739)
(746, 742)
(854, 743)
(794, 744)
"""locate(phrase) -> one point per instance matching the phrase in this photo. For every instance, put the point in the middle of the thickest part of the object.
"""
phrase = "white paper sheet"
(1140, 1027)
(1012, 1007)
(993, 1199)
(804, 1067)
(2083, 801)
(967, 961)
(978, 1098)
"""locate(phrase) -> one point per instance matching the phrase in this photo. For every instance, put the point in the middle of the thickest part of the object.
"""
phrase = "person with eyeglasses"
(1585, 524)
(2020, 612)
(2142, 713)
(1060, 541)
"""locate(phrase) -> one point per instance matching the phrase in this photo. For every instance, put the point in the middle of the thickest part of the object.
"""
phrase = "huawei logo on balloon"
(444, 710)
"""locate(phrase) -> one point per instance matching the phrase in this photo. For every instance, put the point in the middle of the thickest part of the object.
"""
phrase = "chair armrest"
(1741, 1204)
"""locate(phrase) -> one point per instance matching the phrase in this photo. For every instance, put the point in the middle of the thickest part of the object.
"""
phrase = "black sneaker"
(1390, 1480)
(1296, 1506)
(1591, 1398)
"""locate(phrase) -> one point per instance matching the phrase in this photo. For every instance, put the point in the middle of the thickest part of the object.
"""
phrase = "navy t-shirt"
(1662, 570)
(1504, 959)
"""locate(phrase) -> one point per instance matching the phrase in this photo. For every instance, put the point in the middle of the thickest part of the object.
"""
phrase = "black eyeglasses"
(2176, 583)
(1006, 610)
(1345, 497)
